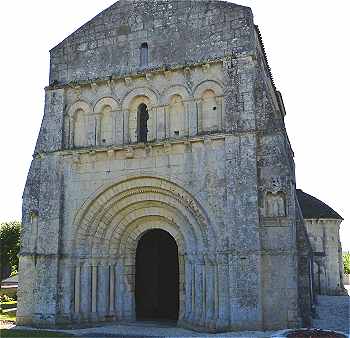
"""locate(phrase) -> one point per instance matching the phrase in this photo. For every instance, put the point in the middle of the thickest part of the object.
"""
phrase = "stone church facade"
(162, 124)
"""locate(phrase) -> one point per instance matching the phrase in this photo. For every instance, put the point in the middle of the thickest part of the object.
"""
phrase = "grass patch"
(30, 334)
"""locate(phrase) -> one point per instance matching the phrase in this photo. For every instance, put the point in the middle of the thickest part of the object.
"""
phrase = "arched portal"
(109, 231)
(157, 277)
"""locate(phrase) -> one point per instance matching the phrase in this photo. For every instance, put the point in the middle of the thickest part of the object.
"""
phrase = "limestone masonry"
(163, 136)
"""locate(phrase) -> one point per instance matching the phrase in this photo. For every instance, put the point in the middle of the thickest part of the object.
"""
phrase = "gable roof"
(312, 207)
(177, 33)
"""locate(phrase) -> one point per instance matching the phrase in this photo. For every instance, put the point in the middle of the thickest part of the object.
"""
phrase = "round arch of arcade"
(110, 224)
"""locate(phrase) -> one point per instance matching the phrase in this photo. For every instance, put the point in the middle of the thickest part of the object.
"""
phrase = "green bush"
(30, 334)
(9, 246)
(346, 262)
(5, 299)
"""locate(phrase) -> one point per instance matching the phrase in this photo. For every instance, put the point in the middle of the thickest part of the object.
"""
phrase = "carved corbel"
(206, 67)
(187, 71)
(207, 141)
(94, 87)
(76, 158)
(167, 147)
(148, 76)
(110, 85)
(77, 91)
(129, 153)
(128, 81)
(110, 154)
(167, 74)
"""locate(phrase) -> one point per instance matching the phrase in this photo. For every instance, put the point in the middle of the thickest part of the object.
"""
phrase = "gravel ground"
(142, 330)
(332, 311)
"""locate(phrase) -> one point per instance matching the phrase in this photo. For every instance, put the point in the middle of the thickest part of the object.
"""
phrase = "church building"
(162, 186)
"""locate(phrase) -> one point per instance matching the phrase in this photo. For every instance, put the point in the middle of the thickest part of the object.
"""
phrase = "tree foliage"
(346, 261)
(9, 246)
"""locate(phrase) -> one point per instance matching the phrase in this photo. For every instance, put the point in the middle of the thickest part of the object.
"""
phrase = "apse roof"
(312, 207)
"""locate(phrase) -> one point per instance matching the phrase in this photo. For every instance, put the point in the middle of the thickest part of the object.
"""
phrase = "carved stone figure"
(275, 204)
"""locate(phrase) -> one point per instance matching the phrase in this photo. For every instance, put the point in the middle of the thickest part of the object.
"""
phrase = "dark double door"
(157, 277)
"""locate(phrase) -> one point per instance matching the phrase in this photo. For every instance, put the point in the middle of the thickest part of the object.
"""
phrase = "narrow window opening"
(144, 54)
(142, 118)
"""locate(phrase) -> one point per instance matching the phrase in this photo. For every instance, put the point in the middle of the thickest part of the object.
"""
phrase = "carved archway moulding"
(105, 218)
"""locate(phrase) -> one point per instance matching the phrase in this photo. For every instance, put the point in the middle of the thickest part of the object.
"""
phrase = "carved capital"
(110, 154)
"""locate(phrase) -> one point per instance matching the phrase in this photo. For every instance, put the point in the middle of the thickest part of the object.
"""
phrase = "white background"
(307, 44)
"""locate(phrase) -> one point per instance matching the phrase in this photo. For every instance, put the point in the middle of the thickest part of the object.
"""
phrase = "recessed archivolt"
(104, 102)
(180, 90)
(79, 105)
(215, 86)
(142, 91)
(109, 233)
(137, 229)
(106, 229)
(101, 224)
(134, 195)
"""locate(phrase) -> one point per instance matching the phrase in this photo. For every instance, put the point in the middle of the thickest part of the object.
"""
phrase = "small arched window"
(142, 118)
(144, 54)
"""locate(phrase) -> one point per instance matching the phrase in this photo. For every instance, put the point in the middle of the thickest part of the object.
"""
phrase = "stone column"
(102, 290)
(119, 288)
(70, 131)
(77, 290)
(85, 293)
(216, 294)
(188, 289)
(111, 289)
(220, 117)
(199, 114)
(167, 122)
(186, 119)
(199, 290)
(192, 117)
(161, 123)
(126, 127)
(114, 126)
(66, 294)
(129, 285)
(182, 288)
(94, 291)
(98, 130)
(152, 123)
(119, 132)
(210, 291)
(224, 318)
(91, 130)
